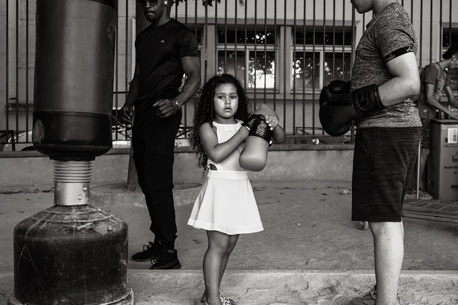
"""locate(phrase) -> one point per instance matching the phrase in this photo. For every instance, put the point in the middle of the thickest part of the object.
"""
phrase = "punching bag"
(74, 67)
(72, 253)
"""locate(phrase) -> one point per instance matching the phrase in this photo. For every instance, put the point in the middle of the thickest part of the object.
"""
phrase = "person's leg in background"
(424, 155)
(154, 157)
(162, 213)
(418, 182)
(152, 249)
(155, 180)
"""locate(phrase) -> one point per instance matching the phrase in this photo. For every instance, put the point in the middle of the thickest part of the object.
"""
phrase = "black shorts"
(383, 164)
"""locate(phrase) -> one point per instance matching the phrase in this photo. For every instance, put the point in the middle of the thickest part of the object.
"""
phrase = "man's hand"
(127, 114)
(165, 108)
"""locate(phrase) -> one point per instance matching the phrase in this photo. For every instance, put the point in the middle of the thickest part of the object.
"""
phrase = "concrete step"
(106, 195)
(266, 287)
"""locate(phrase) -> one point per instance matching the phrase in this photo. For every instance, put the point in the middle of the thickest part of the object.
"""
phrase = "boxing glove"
(248, 123)
(254, 155)
(339, 107)
(366, 101)
(259, 128)
(334, 87)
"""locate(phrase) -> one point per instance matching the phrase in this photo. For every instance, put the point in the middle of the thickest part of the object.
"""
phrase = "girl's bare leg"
(232, 242)
(215, 261)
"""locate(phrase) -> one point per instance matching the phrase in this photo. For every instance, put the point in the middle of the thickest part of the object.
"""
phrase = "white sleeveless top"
(224, 132)
(226, 202)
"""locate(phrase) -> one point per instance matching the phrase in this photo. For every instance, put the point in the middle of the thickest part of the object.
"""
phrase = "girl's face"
(226, 102)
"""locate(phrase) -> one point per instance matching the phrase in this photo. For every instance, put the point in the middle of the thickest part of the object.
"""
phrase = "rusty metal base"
(431, 209)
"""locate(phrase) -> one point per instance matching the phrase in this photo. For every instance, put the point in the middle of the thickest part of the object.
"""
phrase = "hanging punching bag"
(74, 65)
(72, 253)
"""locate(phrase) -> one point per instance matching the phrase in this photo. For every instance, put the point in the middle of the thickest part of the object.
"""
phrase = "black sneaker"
(167, 259)
(150, 251)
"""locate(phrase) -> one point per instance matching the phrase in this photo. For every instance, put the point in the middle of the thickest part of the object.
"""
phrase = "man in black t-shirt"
(165, 51)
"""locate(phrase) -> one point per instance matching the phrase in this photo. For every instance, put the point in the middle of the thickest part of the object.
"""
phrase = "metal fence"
(282, 51)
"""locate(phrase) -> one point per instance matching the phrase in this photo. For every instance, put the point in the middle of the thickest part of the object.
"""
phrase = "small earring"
(165, 2)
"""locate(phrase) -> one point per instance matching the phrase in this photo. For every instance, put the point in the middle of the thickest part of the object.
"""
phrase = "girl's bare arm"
(220, 151)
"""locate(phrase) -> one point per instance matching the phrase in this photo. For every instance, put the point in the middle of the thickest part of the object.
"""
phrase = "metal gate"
(282, 51)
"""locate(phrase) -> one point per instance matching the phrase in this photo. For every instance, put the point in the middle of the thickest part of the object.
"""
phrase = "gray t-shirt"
(389, 31)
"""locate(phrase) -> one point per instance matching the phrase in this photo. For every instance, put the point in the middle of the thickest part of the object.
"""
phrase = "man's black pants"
(153, 146)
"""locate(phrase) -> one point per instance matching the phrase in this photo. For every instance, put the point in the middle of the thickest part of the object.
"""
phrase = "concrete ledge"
(289, 287)
(280, 287)
(107, 195)
(324, 162)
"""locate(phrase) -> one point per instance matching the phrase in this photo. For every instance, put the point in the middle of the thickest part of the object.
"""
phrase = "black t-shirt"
(159, 51)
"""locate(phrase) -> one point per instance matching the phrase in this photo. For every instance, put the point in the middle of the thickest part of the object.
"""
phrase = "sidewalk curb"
(286, 287)
(263, 287)
(116, 194)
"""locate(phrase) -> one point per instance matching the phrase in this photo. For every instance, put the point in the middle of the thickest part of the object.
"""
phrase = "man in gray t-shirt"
(387, 139)
(375, 56)
(378, 100)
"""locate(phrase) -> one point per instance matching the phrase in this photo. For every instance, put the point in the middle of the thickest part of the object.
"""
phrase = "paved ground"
(309, 253)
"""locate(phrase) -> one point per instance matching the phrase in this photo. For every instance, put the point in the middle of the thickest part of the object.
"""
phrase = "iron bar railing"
(283, 51)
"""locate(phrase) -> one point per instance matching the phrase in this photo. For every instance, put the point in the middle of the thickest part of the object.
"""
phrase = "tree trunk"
(132, 179)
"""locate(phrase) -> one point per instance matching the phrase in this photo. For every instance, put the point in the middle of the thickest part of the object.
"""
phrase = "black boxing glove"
(334, 87)
(339, 107)
(366, 100)
(258, 127)
(336, 108)
(248, 123)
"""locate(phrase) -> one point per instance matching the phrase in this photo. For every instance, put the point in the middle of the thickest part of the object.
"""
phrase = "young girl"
(225, 206)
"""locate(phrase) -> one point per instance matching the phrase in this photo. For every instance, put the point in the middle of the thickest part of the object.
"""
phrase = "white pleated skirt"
(226, 204)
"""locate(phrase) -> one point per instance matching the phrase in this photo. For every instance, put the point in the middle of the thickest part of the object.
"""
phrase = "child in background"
(225, 206)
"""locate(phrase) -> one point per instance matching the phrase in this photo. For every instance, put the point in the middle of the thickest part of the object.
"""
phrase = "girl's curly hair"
(204, 111)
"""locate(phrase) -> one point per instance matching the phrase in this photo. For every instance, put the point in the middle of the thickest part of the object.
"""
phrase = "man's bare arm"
(191, 67)
(405, 82)
(127, 109)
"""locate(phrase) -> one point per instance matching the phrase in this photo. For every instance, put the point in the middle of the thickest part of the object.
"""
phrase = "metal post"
(418, 170)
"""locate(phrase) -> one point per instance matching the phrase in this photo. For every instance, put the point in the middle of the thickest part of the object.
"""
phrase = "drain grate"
(430, 209)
